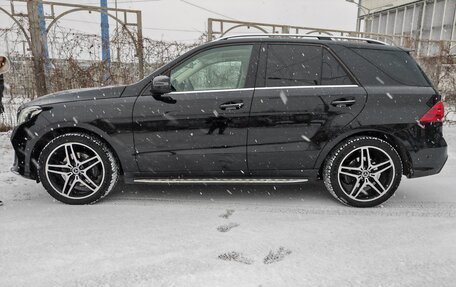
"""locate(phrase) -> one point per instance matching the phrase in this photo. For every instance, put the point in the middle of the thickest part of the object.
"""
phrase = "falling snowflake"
(305, 138)
(283, 97)
(419, 124)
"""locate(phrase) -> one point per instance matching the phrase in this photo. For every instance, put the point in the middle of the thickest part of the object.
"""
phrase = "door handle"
(231, 106)
(343, 102)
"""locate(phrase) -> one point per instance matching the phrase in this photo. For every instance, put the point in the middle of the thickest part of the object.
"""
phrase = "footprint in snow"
(235, 256)
(276, 256)
(228, 213)
(10, 180)
(227, 227)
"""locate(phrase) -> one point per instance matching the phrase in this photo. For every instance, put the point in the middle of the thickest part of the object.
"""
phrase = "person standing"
(3, 68)
(2, 83)
(2, 87)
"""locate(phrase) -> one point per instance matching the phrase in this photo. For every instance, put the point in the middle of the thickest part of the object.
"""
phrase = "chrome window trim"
(212, 91)
(266, 88)
(307, 87)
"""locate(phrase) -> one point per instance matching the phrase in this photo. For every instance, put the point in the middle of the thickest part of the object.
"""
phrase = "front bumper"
(23, 145)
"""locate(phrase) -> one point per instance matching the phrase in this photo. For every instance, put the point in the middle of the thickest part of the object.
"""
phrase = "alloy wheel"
(74, 170)
(366, 173)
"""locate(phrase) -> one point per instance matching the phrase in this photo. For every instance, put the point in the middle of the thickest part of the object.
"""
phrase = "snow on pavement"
(228, 235)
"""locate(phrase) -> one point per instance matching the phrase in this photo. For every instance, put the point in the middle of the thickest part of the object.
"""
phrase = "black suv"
(356, 113)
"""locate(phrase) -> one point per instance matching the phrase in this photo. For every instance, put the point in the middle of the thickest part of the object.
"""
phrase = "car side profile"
(283, 109)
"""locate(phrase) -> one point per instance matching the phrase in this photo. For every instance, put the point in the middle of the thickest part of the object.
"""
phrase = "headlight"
(27, 113)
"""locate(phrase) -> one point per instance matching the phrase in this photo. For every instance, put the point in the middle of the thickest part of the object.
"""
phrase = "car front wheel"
(78, 168)
(363, 171)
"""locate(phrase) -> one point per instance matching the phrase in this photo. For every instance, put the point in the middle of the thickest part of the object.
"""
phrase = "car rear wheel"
(78, 168)
(363, 171)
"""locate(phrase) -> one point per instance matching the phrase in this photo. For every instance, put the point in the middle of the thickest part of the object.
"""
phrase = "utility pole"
(117, 31)
(47, 64)
(140, 45)
(105, 49)
(37, 47)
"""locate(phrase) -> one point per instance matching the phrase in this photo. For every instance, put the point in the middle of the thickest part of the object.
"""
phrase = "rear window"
(398, 65)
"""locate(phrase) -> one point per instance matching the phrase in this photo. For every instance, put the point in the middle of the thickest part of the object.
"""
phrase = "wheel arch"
(55, 132)
(388, 137)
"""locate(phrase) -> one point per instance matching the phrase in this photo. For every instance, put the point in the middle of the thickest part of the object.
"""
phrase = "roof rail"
(319, 37)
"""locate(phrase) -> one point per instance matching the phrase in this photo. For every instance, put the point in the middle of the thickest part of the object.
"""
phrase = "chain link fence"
(75, 62)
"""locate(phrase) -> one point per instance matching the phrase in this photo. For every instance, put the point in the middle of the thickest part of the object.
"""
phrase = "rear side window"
(301, 65)
(332, 72)
(398, 65)
(293, 65)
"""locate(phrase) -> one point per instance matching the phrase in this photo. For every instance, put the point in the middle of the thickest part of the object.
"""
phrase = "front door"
(201, 127)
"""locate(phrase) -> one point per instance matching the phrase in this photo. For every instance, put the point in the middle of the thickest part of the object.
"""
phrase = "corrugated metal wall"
(423, 20)
(374, 4)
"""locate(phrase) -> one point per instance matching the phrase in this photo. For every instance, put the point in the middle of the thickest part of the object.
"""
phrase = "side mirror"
(161, 85)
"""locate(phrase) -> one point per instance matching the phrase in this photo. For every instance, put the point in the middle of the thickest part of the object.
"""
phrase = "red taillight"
(435, 114)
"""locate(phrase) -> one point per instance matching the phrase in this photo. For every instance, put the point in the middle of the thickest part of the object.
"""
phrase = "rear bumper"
(428, 161)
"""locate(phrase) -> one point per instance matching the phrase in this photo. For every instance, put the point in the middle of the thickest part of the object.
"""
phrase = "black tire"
(353, 173)
(61, 173)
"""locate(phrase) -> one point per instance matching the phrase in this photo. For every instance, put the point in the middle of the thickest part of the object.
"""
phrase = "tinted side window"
(332, 72)
(214, 69)
(397, 65)
(293, 65)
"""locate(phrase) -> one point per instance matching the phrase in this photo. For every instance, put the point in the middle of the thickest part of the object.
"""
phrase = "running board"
(220, 180)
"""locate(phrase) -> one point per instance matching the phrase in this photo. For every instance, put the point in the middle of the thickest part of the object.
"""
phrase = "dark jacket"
(2, 86)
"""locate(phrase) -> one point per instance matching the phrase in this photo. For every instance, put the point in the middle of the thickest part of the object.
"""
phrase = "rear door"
(201, 128)
(303, 96)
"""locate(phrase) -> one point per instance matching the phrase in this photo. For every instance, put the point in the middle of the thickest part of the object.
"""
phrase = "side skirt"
(218, 180)
(229, 177)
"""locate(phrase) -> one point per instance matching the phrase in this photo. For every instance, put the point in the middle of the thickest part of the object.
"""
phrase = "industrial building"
(425, 22)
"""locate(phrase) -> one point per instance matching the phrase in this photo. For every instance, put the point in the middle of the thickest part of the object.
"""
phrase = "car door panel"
(194, 134)
(289, 134)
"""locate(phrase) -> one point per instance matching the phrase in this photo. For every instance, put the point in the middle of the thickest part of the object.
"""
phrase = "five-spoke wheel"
(77, 168)
(366, 173)
(363, 171)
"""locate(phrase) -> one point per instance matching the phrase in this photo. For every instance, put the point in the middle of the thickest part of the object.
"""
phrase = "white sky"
(185, 22)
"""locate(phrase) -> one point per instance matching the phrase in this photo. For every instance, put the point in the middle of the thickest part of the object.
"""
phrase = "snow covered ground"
(228, 235)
